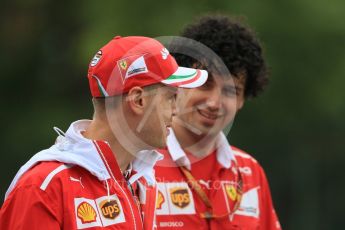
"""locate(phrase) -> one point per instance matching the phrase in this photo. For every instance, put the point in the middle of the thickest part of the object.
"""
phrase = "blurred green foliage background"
(296, 129)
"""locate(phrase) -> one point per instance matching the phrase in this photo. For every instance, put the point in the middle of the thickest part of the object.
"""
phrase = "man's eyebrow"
(172, 90)
(230, 87)
(238, 88)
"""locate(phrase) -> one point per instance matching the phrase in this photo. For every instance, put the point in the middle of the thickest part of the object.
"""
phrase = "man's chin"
(162, 143)
(161, 146)
(205, 130)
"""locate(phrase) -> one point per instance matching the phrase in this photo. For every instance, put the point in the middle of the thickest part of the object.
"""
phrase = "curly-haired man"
(203, 182)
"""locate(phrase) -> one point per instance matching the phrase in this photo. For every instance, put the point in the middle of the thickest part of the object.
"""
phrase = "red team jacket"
(179, 207)
(77, 184)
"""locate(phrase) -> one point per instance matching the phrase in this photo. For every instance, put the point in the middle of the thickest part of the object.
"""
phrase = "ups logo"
(110, 209)
(180, 197)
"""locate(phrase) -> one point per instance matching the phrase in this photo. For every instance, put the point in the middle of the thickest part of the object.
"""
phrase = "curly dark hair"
(236, 45)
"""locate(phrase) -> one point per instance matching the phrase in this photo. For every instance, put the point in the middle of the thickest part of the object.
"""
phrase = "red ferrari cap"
(126, 62)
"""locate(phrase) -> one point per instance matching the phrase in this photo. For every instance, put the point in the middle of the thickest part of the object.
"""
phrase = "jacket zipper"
(113, 177)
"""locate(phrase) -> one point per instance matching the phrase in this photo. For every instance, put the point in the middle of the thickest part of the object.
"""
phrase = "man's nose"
(173, 109)
(214, 100)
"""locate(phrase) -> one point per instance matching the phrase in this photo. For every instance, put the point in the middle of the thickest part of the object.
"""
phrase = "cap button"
(117, 37)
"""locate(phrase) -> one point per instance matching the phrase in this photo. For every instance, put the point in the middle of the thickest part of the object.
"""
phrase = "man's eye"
(172, 97)
(230, 91)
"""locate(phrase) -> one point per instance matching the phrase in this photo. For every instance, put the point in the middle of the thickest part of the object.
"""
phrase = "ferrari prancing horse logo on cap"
(131, 66)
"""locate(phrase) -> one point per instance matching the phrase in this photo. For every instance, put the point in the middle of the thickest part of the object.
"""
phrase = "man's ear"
(240, 104)
(136, 100)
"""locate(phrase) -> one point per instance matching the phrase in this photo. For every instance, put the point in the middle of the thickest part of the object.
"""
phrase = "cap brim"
(186, 78)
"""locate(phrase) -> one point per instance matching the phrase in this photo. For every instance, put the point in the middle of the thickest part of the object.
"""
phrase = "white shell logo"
(165, 53)
(96, 58)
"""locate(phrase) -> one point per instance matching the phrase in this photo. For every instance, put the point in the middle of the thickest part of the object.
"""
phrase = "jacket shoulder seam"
(51, 175)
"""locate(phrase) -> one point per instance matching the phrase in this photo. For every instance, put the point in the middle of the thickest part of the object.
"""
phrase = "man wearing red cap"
(99, 173)
(203, 183)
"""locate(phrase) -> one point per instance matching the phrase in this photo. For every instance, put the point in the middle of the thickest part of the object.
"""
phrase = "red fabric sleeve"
(29, 208)
(268, 217)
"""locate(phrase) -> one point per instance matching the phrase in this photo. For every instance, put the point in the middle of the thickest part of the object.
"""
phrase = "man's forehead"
(229, 80)
(221, 79)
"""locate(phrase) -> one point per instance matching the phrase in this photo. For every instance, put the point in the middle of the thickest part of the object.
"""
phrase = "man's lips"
(208, 115)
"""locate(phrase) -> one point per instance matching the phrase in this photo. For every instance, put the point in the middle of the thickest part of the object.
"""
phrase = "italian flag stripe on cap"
(186, 78)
